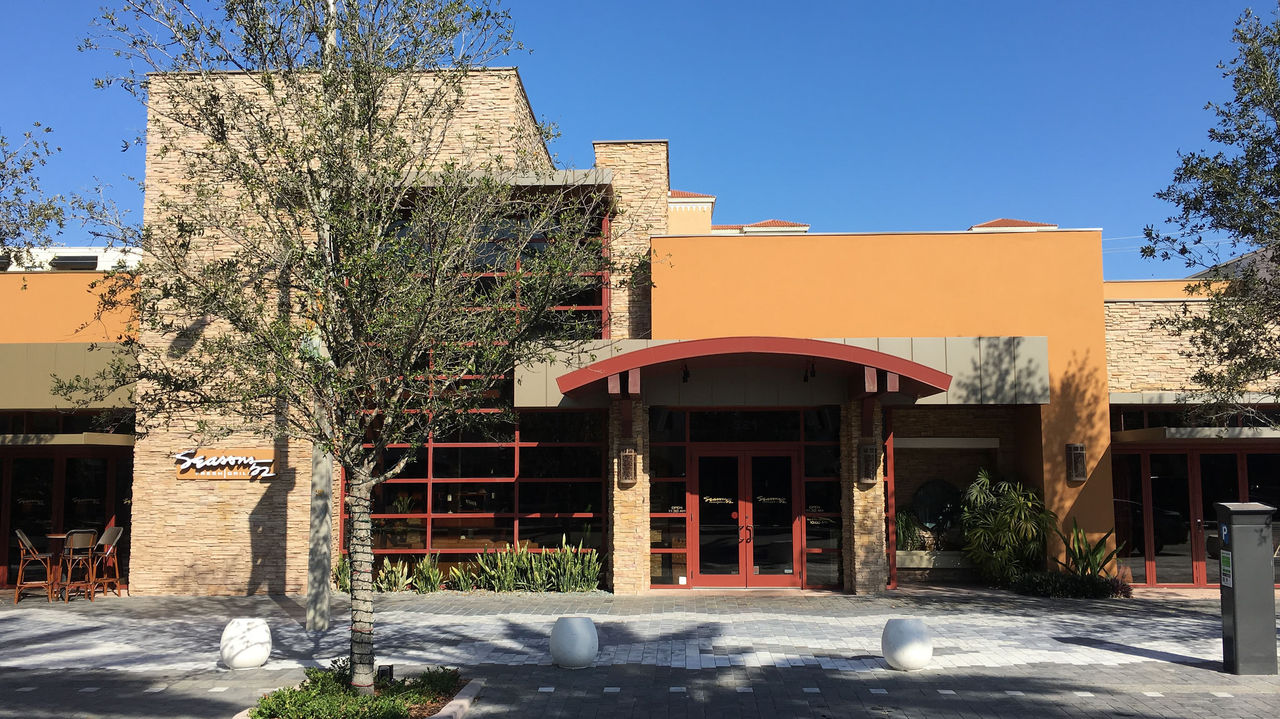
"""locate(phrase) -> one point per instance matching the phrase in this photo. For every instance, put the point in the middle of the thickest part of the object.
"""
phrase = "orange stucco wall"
(1145, 289)
(918, 285)
(46, 307)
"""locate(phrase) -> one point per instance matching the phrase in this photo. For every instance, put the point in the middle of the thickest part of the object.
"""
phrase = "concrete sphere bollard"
(574, 642)
(906, 644)
(246, 643)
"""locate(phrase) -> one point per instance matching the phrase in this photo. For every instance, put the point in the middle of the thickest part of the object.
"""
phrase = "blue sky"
(851, 116)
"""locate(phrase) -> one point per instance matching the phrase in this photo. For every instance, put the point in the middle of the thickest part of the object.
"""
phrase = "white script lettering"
(258, 468)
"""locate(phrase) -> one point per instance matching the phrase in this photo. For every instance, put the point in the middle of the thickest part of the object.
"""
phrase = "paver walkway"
(669, 654)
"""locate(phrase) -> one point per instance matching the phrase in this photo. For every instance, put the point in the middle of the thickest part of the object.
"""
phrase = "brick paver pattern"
(677, 654)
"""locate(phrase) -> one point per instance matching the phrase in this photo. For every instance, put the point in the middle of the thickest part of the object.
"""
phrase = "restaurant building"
(758, 415)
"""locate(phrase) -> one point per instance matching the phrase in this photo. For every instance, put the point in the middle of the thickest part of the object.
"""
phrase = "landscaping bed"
(327, 694)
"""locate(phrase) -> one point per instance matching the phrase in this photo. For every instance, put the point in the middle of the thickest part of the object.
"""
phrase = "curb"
(455, 709)
(462, 701)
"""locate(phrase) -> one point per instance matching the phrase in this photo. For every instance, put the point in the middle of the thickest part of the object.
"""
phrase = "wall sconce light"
(1077, 466)
(627, 469)
(868, 463)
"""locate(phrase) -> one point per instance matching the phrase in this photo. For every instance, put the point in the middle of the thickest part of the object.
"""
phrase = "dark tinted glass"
(552, 532)
(667, 497)
(822, 570)
(822, 424)
(398, 498)
(668, 568)
(561, 497)
(666, 461)
(667, 533)
(822, 532)
(822, 497)
(822, 461)
(744, 426)
(399, 533)
(494, 430)
(416, 467)
(473, 498)
(471, 533)
(666, 425)
(85, 494)
(562, 427)
(557, 462)
(478, 462)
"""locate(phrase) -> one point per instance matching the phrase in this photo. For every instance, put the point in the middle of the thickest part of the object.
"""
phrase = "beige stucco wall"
(685, 218)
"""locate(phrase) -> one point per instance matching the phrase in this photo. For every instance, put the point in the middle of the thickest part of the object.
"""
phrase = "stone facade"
(864, 551)
(627, 544)
(640, 184)
(245, 537)
(1142, 358)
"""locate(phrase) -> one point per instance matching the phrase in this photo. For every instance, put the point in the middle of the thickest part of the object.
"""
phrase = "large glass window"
(539, 481)
(1126, 479)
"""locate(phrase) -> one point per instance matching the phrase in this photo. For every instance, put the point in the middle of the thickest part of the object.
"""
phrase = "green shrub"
(327, 694)
(564, 569)
(910, 533)
(427, 576)
(573, 569)
(392, 577)
(1005, 528)
(1085, 559)
(1071, 586)
(462, 578)
(499, 570)
(342, 574)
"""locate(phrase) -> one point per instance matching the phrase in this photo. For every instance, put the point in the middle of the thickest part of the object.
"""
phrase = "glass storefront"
(745, 497)
(54, 489)
(539, 482)
(1163, 502)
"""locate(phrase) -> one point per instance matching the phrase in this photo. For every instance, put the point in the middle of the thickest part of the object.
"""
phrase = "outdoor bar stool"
(28, 555)
(106, 562)
(77, 554)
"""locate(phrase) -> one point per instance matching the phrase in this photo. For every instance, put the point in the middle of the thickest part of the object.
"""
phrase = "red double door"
(746, 519)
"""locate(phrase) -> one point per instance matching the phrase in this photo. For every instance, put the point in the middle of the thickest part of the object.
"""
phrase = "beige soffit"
(27, 370)
(1158, 434)
(98, 439)
(984, 370)
(1179, 397)
(946, 443)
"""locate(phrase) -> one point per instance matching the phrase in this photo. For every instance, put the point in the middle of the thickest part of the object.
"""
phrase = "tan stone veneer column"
(640, 184)
(866, 567)
(628, 529)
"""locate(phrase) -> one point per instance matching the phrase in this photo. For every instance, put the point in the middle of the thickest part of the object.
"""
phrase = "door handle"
(741, 539)
(750, 533)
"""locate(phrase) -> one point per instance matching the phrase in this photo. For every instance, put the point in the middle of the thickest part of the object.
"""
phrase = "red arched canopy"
(919, 379)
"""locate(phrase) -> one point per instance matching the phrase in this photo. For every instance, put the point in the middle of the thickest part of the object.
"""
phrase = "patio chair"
(27, 555)
(77, 554)
(106, 562)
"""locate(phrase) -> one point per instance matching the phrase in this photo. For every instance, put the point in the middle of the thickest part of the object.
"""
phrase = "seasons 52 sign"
(226, 464)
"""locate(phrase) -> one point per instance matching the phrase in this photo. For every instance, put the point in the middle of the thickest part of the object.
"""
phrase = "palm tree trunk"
(360, 548)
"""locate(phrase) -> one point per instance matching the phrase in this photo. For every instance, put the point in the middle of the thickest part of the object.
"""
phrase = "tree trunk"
(360, 549)
(319, 540)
